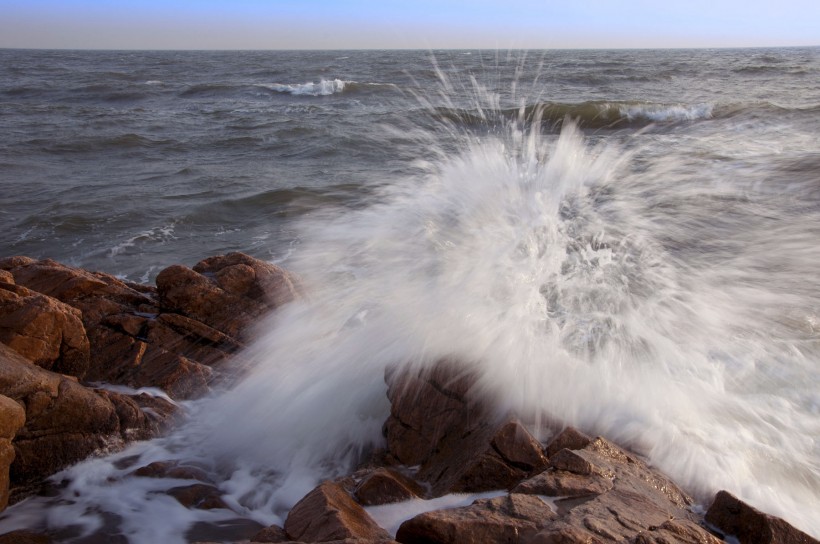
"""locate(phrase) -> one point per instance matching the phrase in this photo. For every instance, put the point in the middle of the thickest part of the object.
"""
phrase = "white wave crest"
(665, 112)
(324, 87)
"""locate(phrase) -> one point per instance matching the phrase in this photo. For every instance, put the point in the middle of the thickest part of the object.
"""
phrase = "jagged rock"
(123, 359)
(425, 406)
(509, 519)
(201, 496)
(25, 537)
(274, 533)
(461, 444)
(384, 485)
(570, 438)
(132, 341)
(559, 483)
(12, 419)
(329, 513)
(226, 292)
(66, 422)
(172, 469)
(749, 525)
(43, 330)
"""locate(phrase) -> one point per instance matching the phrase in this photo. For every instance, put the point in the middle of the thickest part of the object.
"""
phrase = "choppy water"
(621, 240)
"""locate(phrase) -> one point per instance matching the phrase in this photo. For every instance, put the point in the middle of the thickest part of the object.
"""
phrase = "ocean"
(621, 240)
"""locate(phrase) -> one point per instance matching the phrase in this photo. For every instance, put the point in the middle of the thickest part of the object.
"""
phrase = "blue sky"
(354, 24)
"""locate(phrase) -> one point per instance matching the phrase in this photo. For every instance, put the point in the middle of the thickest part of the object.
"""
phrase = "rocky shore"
(67, 335)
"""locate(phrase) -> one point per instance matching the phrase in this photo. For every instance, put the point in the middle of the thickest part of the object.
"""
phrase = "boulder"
(461, 445)
(226, 292)
(569, 438)
(386, 485)
(66, 422)
(507, 519)
(130, 339)
(329, 513)
(12, 418)
(25, 537)
(748, 525)
(44, 330)
(126, 360)
(274, 533)
(201, 496)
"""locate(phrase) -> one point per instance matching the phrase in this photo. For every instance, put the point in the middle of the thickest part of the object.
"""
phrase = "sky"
(417, 24)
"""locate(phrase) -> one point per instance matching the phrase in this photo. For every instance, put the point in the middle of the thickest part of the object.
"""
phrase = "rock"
(122, 359)
(570, 438)
(508, 519)
(330, 513)
(749, 525)
(274, 533)
(559, 483)
(43, 330)
(172, 469)
(12, 419)
(628, 499)
(25, 537)
(6, 277)
(201, 496)
(66, 422)
(384, 485)
(226, 292)
(461, 444)
(415, 428)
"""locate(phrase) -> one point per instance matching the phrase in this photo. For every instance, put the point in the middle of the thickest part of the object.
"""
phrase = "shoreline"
(62, 328)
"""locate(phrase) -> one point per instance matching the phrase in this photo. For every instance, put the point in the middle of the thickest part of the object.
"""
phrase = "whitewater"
(656, 285)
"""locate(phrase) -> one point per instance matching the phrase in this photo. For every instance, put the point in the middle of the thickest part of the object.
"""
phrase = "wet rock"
(461, 444)
(559, 483)
(43, 330)
(570, 438)
(172, 469)
(329, 513)
(384, 485)
(12, 419)
(512, 518)
(559, 533)
(226, 292)
(427, 405)
(25, 537)
(64, 421)
(274, 533)
(748, 525)
(201, 496)
(123, 359)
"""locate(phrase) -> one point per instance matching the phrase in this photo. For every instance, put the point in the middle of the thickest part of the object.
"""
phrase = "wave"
(591, 114)
(325, 87)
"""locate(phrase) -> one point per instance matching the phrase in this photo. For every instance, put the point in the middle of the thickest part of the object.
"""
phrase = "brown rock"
(43, 330)
(122, 359)
(12, 418)
(564, 534)
(460, 443)
(6, 277)
(25, 537)
(225, 292)
(274, 533)
(570, 438)
(172, 469)
(329, 513)
(577, 462)
(65, 422)
(559, 483)
(201, 496)
(427, 405)
(508, 519)
(749, 525)
(384, 485)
